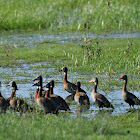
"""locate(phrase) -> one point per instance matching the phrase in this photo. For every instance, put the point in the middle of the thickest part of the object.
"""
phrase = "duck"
(52, 99)
(61, 103)
(36, 81)
(43, 102)
(81, 97)
(127, 96)
(13, 100)
(3, 103)
(98, 98)
(68, 86)
(23, 107)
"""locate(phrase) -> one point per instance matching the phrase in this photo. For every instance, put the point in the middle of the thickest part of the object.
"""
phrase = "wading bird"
(69, 87)
(43, 102)
(61, 103)
(13, 100)
(128, 97)
(98, 98)
(81, 97)
(3, 103)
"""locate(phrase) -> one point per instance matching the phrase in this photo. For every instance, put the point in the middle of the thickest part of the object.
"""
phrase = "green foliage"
(40, 126)
(68, 15)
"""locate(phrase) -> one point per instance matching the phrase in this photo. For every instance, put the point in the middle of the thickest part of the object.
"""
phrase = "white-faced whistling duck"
(81, 97)
(128, 97)
(61, 103)
(43, 102)
(3, 103)
(98, 98)
(36, 80)
(36, 83)
(23, 107)
(47, 95)
(13, 100)
(69, 87)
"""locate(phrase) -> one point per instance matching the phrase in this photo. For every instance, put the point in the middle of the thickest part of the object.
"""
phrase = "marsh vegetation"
(79, 35)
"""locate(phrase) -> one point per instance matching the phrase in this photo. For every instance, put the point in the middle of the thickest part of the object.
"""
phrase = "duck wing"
(84, 98)
(104, 100)
(134, 98)
(71, 88)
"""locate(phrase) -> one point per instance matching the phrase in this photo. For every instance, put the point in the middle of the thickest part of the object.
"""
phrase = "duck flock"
(52, 103)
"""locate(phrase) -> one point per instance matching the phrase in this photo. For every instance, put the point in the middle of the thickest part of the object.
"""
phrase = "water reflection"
(81, 109)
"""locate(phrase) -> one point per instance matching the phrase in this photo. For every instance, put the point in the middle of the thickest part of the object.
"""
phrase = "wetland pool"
(24, 73)
(26, 89)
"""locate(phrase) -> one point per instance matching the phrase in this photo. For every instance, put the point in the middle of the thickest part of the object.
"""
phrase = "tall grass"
(69, 15)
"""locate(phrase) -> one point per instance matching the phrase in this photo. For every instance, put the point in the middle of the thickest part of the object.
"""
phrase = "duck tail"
(137, 101)
(111, 106)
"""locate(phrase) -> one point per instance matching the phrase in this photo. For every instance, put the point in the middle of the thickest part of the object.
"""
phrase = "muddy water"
(26, 89)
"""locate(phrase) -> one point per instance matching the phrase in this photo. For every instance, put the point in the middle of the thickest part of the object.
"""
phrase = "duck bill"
(7, 85)
(90, 81)
(37, 78)
(47, 85)
(60, 70)
(120, 78)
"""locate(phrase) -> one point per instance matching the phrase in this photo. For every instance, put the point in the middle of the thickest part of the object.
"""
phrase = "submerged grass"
(40, 126)
(69, 15)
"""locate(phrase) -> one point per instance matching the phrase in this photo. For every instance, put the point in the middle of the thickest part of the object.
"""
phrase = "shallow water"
(26, 89)
(27, 72)
(31, 40)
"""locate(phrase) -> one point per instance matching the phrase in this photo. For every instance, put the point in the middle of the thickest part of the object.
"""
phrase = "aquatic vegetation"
(104, 58)
(113, 56)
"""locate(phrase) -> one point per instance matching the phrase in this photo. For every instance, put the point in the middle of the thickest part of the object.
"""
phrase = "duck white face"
(38, 78)
(64, 69)
(94, 80)
(47, 86)
(12, 84)
(36, 83)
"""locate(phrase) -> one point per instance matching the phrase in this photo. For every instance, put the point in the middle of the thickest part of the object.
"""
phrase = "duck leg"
(129, 108)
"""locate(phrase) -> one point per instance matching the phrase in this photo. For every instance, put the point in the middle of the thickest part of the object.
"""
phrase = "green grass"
(111, 57)
(114, 57)
(65, 15)
(40, 126)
